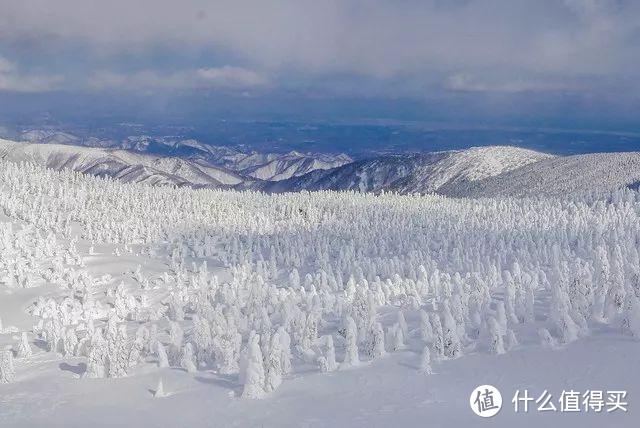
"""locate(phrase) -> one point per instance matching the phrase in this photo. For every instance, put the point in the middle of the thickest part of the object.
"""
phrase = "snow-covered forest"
(144, 295)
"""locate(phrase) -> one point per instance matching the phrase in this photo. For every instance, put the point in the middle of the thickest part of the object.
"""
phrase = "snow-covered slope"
(49, 137)
(292, 164)
(415, 173)
(258, 165)
(559, 176)
(120, 164)
(474, 172)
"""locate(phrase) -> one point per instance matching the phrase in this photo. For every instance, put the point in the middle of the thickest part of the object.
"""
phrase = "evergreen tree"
(425, 361)
(96, 361)
(254, 377)
(327, 361)
(496, 343)
(351, 357)
(24, 348)
(438, 336)
(163, 359)
(273, 364)
(7, 369)
(187, 361)
(375, 344)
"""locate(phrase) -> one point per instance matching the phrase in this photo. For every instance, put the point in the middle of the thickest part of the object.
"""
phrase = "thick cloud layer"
(542, 57)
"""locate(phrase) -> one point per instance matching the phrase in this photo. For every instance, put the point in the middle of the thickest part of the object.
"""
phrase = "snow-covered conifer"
(546, 339)
(395, 338)
(426, 333)
(254, 377)
(501, 317)
(69, 342)
(327, 361)
(187, 361)
(438, 336)
(119, 357)
(375, 342)
(425, 361)
(451, 341)
(159, 391)
(24, 348)
(285, 345)
(273, 364)
(496, 343)
(510, 340)
(96, 361)
(161, 353)
(7, 369)
(351, 357)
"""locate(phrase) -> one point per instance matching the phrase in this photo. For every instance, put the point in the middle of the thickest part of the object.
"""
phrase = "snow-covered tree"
(451, 341)
(351, 357)
(285, 346)
(118, 358)
(187, 360)
(273, 364)
(510, 340)
(496, 343)
(161, 353)
(395, 338)
(96, 361)
(546, 339)
(425, 361)
(426, 332)
(375, 343)
(327, 361)
(7, 369)
(254, 377)
(24, 348)
(159, 391)
(438, 336)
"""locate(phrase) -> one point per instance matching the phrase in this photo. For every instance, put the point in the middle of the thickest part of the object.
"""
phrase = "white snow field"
(129, 305)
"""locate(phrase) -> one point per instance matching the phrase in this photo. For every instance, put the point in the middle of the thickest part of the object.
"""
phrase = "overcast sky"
(555, 52)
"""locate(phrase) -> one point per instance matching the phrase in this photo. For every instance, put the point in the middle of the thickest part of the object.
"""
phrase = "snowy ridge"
(262, 166)
(293, 164)
(415, 173)
(120, 164)
(475, 172)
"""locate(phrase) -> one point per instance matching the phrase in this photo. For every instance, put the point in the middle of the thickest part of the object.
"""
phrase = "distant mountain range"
(123, 165)
(474, 172)
(414, 173)
(250, 164)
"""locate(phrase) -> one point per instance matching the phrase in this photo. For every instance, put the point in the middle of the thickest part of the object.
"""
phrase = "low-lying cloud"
(225, 77)
(11, 79)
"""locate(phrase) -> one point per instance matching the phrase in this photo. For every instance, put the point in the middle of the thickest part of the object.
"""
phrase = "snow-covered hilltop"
(559, 176)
